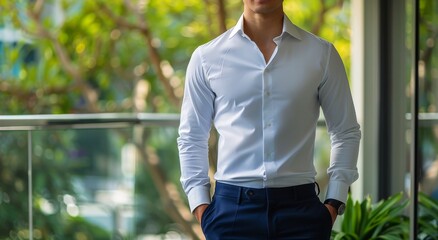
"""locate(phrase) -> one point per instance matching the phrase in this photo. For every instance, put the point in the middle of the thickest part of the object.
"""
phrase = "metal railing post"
(29, 182)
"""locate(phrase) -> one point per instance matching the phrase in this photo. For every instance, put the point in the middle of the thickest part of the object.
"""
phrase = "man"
(262, 84)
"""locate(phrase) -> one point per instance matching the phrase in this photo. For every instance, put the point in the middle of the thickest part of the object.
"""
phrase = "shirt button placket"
(267, 123)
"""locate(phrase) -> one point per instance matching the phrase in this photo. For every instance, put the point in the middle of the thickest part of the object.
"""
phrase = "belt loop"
(319, 190)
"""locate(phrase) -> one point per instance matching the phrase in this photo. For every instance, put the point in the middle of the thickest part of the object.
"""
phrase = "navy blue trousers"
(270, 213)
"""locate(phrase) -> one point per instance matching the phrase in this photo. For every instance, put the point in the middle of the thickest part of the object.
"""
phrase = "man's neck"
(263, 27)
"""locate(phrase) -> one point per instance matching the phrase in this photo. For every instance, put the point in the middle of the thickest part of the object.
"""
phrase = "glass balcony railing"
(84, 177)
(100, 176)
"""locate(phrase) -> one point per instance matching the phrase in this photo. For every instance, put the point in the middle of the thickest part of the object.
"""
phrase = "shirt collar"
(288, 27)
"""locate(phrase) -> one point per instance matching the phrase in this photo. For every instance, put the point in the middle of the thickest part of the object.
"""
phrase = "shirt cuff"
(199, 195)
(337, 190)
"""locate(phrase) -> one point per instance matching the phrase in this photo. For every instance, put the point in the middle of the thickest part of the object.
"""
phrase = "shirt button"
(268, 93)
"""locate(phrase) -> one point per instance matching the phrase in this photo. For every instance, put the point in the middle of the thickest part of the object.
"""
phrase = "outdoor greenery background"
(78, 56)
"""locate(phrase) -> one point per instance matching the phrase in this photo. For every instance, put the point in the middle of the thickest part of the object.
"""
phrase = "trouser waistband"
(293, 193)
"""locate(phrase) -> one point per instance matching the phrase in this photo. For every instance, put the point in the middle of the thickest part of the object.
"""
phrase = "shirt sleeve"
(195, 123)
(337, 105)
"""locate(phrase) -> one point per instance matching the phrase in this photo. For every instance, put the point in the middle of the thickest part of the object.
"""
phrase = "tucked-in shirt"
(266, 114)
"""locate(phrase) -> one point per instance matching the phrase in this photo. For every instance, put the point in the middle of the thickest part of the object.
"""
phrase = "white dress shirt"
(266, 113)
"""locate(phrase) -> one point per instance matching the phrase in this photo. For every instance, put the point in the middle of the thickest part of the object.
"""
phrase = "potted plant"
(386, 219)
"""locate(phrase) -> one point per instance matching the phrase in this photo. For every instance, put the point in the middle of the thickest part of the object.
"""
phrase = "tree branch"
(209, 20)
(222, 16)
(38, 8)
(90, 95)
(29, 97)
(171, 201)
(155, 57)
(316, 28)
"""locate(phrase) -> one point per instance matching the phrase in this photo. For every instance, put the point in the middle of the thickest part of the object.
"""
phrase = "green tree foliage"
(123, 56)
(79, 56)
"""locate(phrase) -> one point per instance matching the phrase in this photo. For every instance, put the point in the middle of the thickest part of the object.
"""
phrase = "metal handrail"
(119, 120)
(89, 120)
(425, 119)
